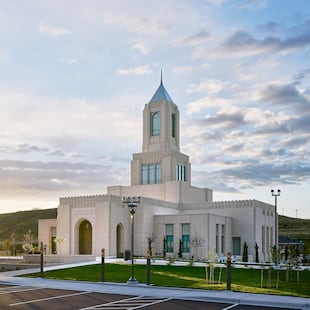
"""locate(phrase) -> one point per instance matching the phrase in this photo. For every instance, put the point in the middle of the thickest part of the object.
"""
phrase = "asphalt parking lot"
(28, 297)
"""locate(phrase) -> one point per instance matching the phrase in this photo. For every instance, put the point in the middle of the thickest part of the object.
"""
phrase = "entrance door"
(85, 238)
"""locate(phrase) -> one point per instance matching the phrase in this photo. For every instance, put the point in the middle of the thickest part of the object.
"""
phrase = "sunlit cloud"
(182, 69)
(70, 61)
(53, 31)
(210, 86)
(133, 23)
(140, 70)
(141, 46)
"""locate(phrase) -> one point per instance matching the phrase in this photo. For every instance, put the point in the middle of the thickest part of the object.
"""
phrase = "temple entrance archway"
(85, 237)
(119, 240)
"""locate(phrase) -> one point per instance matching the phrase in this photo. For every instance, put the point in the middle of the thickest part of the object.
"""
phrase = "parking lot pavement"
(27, 297)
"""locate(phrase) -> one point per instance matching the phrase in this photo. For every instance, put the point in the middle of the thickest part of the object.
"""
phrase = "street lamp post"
(132, 203)
(276, 238)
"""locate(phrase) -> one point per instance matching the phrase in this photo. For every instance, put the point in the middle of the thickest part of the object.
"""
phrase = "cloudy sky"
(75, 76)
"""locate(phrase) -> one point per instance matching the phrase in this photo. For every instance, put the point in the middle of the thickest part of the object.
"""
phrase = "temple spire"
(161, 93)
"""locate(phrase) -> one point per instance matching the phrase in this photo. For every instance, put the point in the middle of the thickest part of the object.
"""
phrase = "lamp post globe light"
(132, 203)
(276, 238)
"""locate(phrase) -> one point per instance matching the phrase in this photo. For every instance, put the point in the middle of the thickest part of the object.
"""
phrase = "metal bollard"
(148, 267)
(41, 260)
(228, 272)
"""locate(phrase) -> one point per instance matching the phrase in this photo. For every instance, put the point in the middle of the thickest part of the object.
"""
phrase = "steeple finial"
(161, 93)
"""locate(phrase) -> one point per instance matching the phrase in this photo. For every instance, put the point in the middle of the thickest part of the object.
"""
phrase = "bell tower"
(161, 123)
(160, 160)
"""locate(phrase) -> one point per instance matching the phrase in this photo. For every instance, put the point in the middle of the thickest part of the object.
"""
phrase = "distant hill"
(20, 222)
(295, 228)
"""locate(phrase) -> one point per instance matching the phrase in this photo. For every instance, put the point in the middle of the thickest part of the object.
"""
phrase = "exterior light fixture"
(132, 203)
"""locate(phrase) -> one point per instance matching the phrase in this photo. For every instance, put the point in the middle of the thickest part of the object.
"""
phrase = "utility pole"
(276, 195)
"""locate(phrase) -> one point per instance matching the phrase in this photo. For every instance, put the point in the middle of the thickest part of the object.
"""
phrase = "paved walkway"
(11, 277)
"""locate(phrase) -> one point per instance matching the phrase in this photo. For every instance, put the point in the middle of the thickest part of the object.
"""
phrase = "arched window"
(155, 124)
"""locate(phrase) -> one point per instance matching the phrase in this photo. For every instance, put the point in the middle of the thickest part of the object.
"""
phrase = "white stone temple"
(177, 216)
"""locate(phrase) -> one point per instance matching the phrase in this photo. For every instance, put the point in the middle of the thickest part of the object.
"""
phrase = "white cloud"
(207, 102)
(217, 3)
(181, 69)
(53, 31)
(194, 39)
(246, 77)
(70, 61)
(206, 66)
(134, 23)
(140, 70)
(211, 86)
(141, 46)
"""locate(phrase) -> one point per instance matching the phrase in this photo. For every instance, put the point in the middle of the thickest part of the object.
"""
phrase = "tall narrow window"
(158, 173)
(267, 238)
(217, 239)
(236, 245)
(151, 174)
(145, 174)
(169, 238)
(263, 239)
(222, 239)
(185, 238)
(173, 125)
(155, 124)
(180, 173)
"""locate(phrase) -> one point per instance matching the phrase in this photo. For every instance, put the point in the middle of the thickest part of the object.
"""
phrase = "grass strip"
(243, 279)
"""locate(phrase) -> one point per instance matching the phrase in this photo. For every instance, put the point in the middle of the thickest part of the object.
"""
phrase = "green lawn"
(243, 280)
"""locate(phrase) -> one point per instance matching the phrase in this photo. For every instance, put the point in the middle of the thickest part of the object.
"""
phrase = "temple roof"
(161, 94)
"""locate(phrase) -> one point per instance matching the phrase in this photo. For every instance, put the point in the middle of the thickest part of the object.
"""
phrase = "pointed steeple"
(161, 93)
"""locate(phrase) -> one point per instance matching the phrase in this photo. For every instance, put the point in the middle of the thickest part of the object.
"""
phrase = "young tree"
(286, 253)
(196, 243)
(180, 253)
(212, 259)
(59, 240)
(256, 253)
(6, 246)
(275, 254)
(245, 252)
(150, 239)
(28, 240)
(164, 247)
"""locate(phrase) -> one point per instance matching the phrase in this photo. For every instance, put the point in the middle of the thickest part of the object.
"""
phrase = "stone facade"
(179, 218)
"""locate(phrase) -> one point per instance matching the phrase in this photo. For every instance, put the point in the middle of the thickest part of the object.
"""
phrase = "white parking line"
(132, 303)
(17, 289)
(48, 298)
(232, 306)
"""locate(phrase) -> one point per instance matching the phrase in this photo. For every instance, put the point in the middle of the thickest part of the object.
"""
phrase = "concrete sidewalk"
(11, 277)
